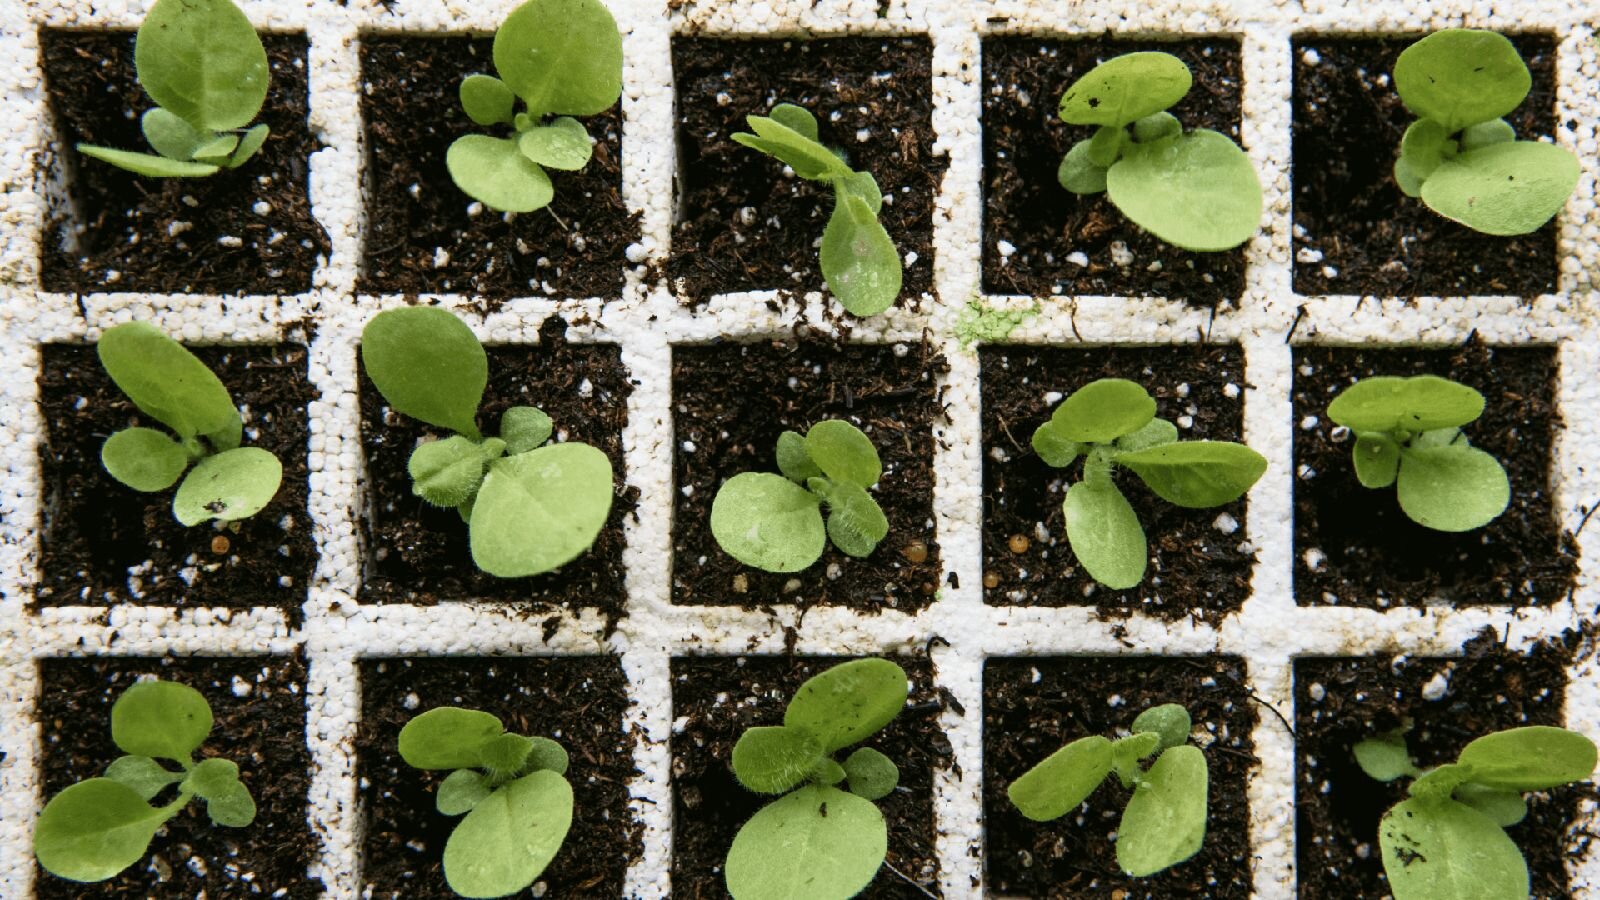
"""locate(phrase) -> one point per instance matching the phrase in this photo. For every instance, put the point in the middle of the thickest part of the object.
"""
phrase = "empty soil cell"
(578, 701)
(241, 231)
(1342, 701)
(1033, 707)
(742, 223)
(1354, 546)
(1039, 238)
(418, 553)
(424, 235)
(1355, 232)
(1199, 562)
(731, 401)
(714, 699)
(258, 705)
(105, 543)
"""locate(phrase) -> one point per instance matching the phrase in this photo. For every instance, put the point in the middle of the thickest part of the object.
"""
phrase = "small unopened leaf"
(1056, 450)
(872, 775)
(1386, 757)
(1155, 433)
(863, 185)
(494, 171)
(818, 843)
(1407, 178)
(547, 755)
(1128, 751)
(428, 365)
(1496, 131)
(769, 522)
(856, 524)
(849, 702)
(827, 772)
(1532, 758)
(794, 460)
(171, 136)
(162, 719)
(202, 61)
(1423, 146)
(859, 260)
(1165, 820)
(563, 144)
(1419, 403)
(217, 150)
(1505, 808)
(795, 118)
(524, 428)
(165, 380)
(144, 459)
(1197, 191)
(447, 737)
(509, 837)
(773, 759)
(228, 486)
(808, 159)
(148, 164)
(1155, 127)
(1103, 411)
(211, 777)
(1122, 90)
(1063, 780)
(95, 829)
(1503, 189)
(1196, 474)
(561, 56)
(1452, 488)
(1169, 721)
(1377, 459)
(143, 774)
(1105, 534)
(1440, 782)
(505, 754)
(460, 791)
(1078, 171)
(1441, 848)
(844, 453)
(539, 510)
(486, 99)
(1461, 77)
(232, 806)
(249, 145)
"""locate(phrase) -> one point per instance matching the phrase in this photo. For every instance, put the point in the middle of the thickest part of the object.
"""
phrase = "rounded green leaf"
(232, 806)
(248, 145)
(872, 775)
(218, 150)
(844, 453)
(1423, 147)
(171, 136)
(1495, 131)
(858, 259)
(1196, 474)
(539, 510)
(202, 61)
(486, 99)
(769, 522)
(166, 381)
(1197, 191)
(1385, 757)
(1419, 403)
(160, 718)
(827, 772)
(1452, 488)
(1056, 451)
(1155, 127)
(1169, 721)
(1105, 535)
(1409, 181)
(228, 486)
(148, 164)
(143, 774)
(849, 702)
(1533, 758)
(1377, 459)
(525, 428)
(794, 460)
(428, 365)
(94, 829)
(1122, 90)
(856, 523)
(1504, 808)
(818, 843)
(547, 755)
(144, 459)
(1155, 433)
(1165, 820)
(446, 472)
(505, 754)
(1079, 173)
(494, 172)
(563, 144)
(1441, 848)
(211, 777)
(1065, 779)
(1503, 189)
(1103, 410)
(460, 791)
(795, 118)
(509, 837)
(447, 738)
(1460, 77)
(561, 56)
(773, 759)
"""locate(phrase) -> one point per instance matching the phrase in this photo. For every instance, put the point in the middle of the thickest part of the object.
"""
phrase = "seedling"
(1195, 190)
(96, 828)
(859, 262)
(1460, 156)
(530, 507)
(1446, 840)
(774, 522)
(205, 68)
(171, 385)
(1110, 423)
(1164, 822)
(1408, 434)
(562, 58)
(517, 802)
(818, 841)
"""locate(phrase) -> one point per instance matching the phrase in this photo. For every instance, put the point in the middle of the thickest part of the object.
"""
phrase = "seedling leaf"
(143, 774)
(1128, 751)
(95, 829)
(171, 136)
(1197, 191)
(1155, 433)
(858, 259)
(460, 791)
(232, 806)
(232, 485)
(509, 837)
(165, 381)
(211, 777)
(1103, 411)
(1419, 403)
(1386, 757)
(795, 118)
(794, 460)
(818, 843)
(849, 702)
(1169, 722)
(1155, 127)
(844, 453)
(1056, 451)
(1503, 189)
(1452, 488)
(538, 510)
(809, 159)
(768, 521)
(428, 365)
(447, 737)
(1122, 90)
(1078, 171)
(160, 718)
(446, 472)
(486, 99)
(856, 524)
(494, 171)
(563, 144)
(144, 459)
(1065, 779)
(525, 428)
(1196, 474)
(1461, 77)
(148, 164)
(1105, 534)
(1377, 459)
(773, 759)
(561, 56)
(1442, 848)
(505, 754)
(1165, 820)
(1533, 758)
(1423, 146)
(827, 772)
(249, 145)
(872, 775)
(1505, 808)
(1483, 134)
(547, 755)
(202, 61)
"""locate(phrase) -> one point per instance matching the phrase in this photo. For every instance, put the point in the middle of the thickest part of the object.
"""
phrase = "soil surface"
(1341, 701)
(241, 231)
(1354, 546)
(730, 403)
(1066, 243)
(717, 698)
(744, 225)
(577, 701)
(103, 542)
(417, 553)
(1355, 231)
(1033, 707)
(424, 235)
(1199, 562)
(258, 703)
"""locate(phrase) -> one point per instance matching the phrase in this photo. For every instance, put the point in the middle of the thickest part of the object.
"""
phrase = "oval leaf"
(1419, 403)
(446, 472)
(1196, 474)
(844, 453)
(428, 365)
(460, 791)
(509, 837)
(539, 510)
(856, 523)
(1442, 848)
(1103, 410)
(144, 459)
(1422, 147)
(1377, 459)
(1079, 173)
(872, 775)
(165, 380)
(1105, 535)
(143, 774)
(1496, 131)
(1065, 779)
(859, 261)
(212, 777)
(769, 522)
(563, 144)
(1534, 758)
(1386, 757)
(797, 119)
(248, 145)
(1056, 450)
(773, 759)
(94, 829)
(561, 56)
(1452, 488)
(547, 755)
(1154, 433)
(819, 843)
(525, 428)
(1165, 820)
(202, 61)
(494, 172)
(486, 99)
(1169, 722)
(1197, 191)
(232, 806)
(448, 738)
(1461, 77)
(228, 486)
(849, 702)
(160, 718)
(1129, 87)
(1505, 808)
(794, 460)
(1503, 189)
(171, 136)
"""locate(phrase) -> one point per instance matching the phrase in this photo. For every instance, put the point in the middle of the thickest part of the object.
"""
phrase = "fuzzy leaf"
(447, 737)
(563, 144)
(539, 510)
(561, 56)
(1505, 808)
(809, 159)
(171, 136)
(1197, 191)
(1125, 89)
(1196, 474)
(844, 453)
(1065, 779)
(1078, 171)
(1128, 751)
(249, 145)
(1386, 757)
(1434, 849)
(1453, 488)
(872, 775)
(769, 522)
(1377, 459)
(509, 837)
(95, 829)
(460, 791)
(525, 428)
(166, 381)
(232, 806)
(202, 61)
(148, 164)
(858, 258)
(486, 99)
(229, 486)
(211, 777)
(794, 460)
(863, 185)
(849, 702)
(1483, 134)
(1105, 535)
(795, 118)
(1155, 433)
(1503, 189)
(506, 754)
(856, 524)
(1056, 451)
(1165, 820)
(1418, 403)
(494, 172)
(446, 472)
(1169, 721)
(818, 843)
(428, 365)
(1440, 782)
(773, 759)
(1103, 411)
(144, 459)
(547, 755)
(143, 774)
(163, 719)
(1461, 77)
(1532, 758)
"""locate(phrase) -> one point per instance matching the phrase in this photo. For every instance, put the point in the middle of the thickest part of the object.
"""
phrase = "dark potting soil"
(422, 236)
(741, 223)
(577, 701)
(1033, 707)
(1355, 231)
(177, 235)
(1199, 564)
(1341, 701)
(103, 542)
(258, 705)
(717, 698)
(1354, 546)
(730, 402)
(1027, 209)
(417, 553)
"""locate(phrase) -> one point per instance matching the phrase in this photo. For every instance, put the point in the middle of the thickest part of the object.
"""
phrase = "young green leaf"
(1505, 808)
(1377, 459)
(143, 774)
(1169, 722)
(794, 460)
(1122, 90)
(505, 754)
(849, 702)
(1079, 173)
(859, 260)
(1196, 474)
(495, 172)
(1503, 189)
(1423, 147)
(95, 829)
(1532, 758)
(547, 756)
(773, 759)
(1165, 820)
(148, 164)
(1386, 757)
(1197, 191)
(1126, 753)
(797, 119)
(232, 806)
(509, 837)
(563, 144)
(1483, 134)
(211, 777)
(808, 158)
(1106, 144)
(872, 775)
(1104, 533)
(165, 381)
(1155, 433)
(1419, 403)
(1441, 848)
(768, 521)
(446, 472)
(232, 485)
(827, 772)
(144, 459)
(160, 718)
(1056, 451)
(1065, 779)
(249, 145)
(856, 524)
(561, 56)
(171, 136)
(1440, 782)
(525, 428)
(460, 791)
(1103, 411)
(447, 738)
(428, 365)
(1461, 77)
(819, 843)
(844, 453)
(1452, 488)
(486, 99)
(1156, 127)
(202, 61)
(539, 510)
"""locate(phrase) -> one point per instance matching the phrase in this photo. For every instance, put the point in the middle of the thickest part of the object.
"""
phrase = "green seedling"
(1446, 840)
(859, 262)
(205, 68)
(171, 385)
(1460, 156)
(561, 58)
(96, 828)
(1195, 190)
(530, 507)
(1408, 434)
(1164, 822)
(819, 840)
(774, 522)
(1112, 423)
(512, 788)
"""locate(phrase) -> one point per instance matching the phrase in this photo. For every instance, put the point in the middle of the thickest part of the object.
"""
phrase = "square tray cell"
(1355, 231)
(1354, 547)
(423, 234)
(1063, 243)
(731, 401)
(742, 224)
(577, 701)
(1199, 564)
(105, 543)
(241, 231)
(259, 715)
